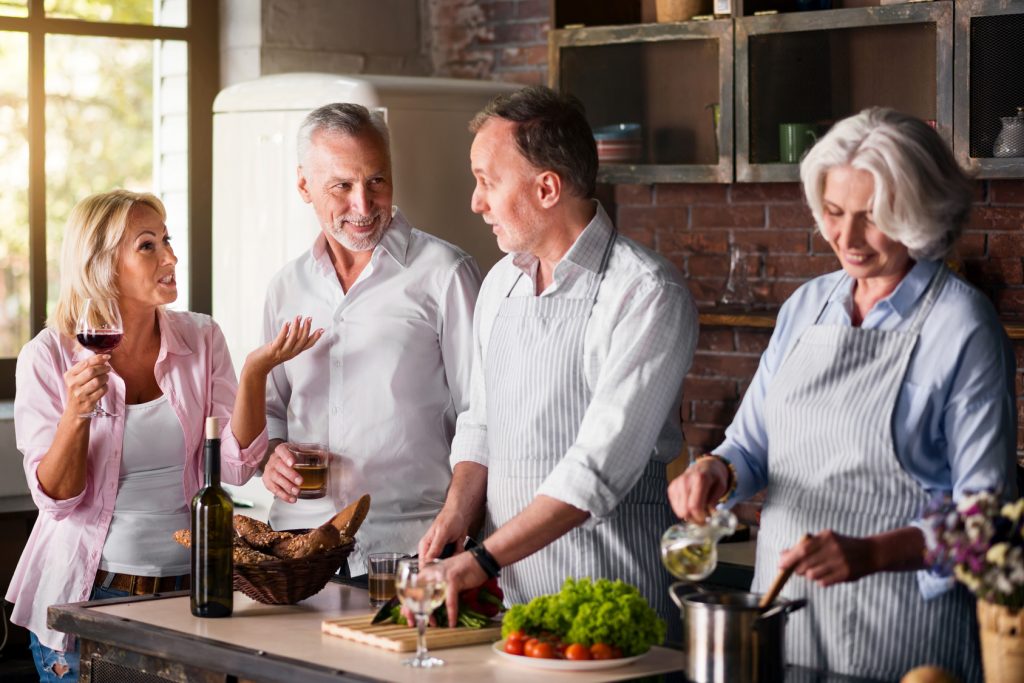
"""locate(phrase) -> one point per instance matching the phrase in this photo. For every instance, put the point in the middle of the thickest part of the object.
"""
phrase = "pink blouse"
(62, 556)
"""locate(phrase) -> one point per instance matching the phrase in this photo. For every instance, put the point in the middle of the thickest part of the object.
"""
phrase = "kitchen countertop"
(285, 643)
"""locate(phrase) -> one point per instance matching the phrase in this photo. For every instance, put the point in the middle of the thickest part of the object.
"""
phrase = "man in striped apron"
(582, 341)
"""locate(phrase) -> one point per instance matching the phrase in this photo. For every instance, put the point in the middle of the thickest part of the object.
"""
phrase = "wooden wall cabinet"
(789, 66)
(666, 77)
(989, 68)
(820, 67)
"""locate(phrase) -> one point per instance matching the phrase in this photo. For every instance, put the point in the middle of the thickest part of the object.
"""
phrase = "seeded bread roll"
(318, 540)
(258, 534)
(241, 552)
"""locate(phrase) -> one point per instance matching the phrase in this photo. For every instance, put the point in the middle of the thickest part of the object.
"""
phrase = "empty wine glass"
(421, 589)
(100, 330)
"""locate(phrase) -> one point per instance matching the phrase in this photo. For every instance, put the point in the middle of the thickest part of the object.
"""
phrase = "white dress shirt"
(383, 386)
(642, 330)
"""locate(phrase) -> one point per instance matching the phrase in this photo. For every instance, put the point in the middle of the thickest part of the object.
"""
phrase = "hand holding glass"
(421, 588)
(100, 330)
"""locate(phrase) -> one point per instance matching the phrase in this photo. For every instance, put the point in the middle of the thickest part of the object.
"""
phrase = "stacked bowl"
(619, 143)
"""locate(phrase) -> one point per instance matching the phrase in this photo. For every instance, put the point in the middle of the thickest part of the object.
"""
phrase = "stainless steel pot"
(728, 638)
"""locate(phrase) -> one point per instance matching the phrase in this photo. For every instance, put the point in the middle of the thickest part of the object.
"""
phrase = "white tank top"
(150, 503)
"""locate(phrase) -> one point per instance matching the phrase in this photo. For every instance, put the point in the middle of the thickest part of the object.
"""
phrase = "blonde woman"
(111, 490)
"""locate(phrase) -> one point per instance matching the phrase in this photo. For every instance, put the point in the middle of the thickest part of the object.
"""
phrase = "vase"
(1002, 643)
(1010, 141)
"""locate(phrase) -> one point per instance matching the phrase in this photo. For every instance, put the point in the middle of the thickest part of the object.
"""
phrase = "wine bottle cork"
(213, 428)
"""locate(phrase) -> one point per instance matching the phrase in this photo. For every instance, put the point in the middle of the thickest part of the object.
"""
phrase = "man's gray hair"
(922, 197)
(343, 118)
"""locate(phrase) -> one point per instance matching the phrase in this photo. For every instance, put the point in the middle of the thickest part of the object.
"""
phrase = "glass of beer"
(312, 462)
(381, 573)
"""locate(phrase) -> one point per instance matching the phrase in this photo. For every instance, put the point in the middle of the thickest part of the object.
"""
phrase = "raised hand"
(294, 338)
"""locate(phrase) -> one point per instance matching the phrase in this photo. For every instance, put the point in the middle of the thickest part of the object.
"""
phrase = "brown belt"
(142, 585)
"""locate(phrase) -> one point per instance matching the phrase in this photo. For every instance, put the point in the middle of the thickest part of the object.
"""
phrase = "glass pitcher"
(1010, 141)
(690, 551)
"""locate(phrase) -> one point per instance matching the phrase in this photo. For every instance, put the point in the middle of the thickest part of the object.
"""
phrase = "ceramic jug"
(1010, 141)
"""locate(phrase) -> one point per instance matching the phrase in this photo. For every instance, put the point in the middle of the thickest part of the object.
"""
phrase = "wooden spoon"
(780, 580)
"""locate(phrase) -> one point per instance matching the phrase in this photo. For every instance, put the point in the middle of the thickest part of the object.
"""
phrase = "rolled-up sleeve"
(639, 383)
(237, 464)
(38, 405)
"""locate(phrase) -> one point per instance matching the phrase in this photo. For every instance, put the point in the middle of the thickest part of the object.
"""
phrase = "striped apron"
(537, 395)
(833, 465)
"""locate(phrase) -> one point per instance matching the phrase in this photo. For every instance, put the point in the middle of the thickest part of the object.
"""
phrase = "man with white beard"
(383, 387)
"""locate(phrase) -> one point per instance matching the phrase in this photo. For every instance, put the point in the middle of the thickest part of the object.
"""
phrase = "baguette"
(351, 518)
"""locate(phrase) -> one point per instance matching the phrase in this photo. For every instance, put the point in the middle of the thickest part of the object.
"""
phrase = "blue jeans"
(55, 666)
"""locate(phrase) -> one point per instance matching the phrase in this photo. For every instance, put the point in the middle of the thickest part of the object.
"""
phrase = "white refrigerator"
(259, 220)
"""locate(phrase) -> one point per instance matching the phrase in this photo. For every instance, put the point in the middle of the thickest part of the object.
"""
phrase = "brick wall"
(697, 225)
(489, 39)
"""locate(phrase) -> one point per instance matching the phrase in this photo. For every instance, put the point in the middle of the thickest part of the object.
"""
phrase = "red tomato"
(514, 647)
(577, 652)
(517, 635)
(529, 646)
(601, 651)
(616, 652)
(543, 650)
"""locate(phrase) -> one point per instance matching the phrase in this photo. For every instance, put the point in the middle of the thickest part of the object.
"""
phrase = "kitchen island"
(156, 638)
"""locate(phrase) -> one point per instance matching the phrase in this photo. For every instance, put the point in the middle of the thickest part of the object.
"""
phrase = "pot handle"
(785, 608)
(689, 587)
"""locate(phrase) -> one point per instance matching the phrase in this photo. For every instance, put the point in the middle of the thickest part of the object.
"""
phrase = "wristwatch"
(486, 561)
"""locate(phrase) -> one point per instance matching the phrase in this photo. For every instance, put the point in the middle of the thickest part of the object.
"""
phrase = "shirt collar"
(901, 300)
(586, 252)
(395, 243)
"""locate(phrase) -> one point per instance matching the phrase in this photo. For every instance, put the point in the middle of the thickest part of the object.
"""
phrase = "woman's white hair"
(922, 197)
(345, 118)
(88, 259)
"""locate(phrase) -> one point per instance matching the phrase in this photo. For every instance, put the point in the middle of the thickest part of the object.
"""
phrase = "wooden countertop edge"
(1014, 331)
(174, 646)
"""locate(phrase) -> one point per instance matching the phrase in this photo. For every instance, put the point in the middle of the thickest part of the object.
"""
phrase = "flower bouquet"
(981, 541)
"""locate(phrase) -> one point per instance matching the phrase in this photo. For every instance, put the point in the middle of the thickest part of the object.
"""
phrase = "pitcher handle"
(688, 585)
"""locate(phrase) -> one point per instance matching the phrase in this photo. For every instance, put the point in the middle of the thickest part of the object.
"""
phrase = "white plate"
(564, 664)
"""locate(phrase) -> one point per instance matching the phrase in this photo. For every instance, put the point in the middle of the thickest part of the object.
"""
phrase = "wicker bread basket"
(286, 581)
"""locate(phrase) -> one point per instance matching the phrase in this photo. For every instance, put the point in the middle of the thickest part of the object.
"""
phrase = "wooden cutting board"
(403, 638)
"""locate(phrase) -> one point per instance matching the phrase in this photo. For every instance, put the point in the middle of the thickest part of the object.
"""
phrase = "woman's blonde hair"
(88, 259)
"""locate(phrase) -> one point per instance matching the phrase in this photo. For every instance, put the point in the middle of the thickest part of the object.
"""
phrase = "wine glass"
(100, 330)
(421, 588)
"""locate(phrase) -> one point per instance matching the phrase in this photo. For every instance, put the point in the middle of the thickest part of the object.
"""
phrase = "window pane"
(115, 117)
(152, 12)
(13, 8)
(14, 262)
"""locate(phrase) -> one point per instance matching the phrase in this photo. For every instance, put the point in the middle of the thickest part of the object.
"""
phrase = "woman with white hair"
(111, 490)
(884, 384)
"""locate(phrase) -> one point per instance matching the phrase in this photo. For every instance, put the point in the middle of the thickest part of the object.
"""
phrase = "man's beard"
(361, 242)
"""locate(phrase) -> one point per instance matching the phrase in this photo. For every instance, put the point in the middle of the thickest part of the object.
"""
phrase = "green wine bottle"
(212, 537)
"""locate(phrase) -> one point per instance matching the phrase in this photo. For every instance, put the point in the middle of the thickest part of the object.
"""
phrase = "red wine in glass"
(100, 341)
(99, 329)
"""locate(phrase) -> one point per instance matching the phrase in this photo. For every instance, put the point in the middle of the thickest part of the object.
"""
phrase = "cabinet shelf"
(819, 67)
(666, 77)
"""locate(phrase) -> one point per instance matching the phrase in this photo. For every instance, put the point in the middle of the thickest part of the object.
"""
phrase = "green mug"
(794, 140)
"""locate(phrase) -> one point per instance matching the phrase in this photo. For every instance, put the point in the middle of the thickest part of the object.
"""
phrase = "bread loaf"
(258, 534)
(351, 518)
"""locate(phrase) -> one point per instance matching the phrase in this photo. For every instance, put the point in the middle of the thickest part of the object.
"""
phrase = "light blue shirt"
(954, 426)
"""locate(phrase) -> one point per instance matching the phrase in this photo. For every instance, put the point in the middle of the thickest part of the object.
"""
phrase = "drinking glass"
(382, 574)
(421, 589)
(312, 462)
(99, 329)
